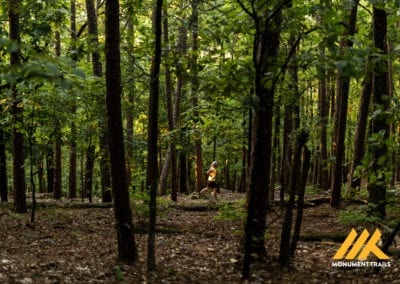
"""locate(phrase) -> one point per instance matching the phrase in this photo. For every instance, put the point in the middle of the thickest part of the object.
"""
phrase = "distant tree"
(123, 215)
(17, 111)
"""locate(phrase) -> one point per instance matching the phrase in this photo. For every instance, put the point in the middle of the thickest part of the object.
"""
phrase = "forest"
(194, 141)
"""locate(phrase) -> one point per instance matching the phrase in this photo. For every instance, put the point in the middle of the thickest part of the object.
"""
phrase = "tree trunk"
(72, 178)
(18, 120)
(379, 152)
(170, 116)
(362, 120)
(72, 162)
(152, 165)
(57, 191)
(275, 160)
(3, 168)
(323, 109)
(50, 170)
(90, 157)
(103, 131)
(300, 201)
(195, 86)
(323, 106)
(295, 179)
(42, 187)
(130, 106)
(178, 177)
(343, 86)
(266, 46)
(123, 215)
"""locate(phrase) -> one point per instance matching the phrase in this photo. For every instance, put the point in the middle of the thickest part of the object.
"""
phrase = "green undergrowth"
(234, 211)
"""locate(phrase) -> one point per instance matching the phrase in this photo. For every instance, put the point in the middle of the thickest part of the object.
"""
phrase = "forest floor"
(74, 244)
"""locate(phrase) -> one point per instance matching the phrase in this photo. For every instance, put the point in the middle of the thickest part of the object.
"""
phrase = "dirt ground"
(78, 245)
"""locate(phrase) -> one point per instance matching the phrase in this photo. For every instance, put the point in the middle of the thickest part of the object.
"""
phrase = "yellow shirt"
(212, 174)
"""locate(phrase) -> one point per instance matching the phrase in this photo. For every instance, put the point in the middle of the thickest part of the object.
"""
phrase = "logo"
(359, 249)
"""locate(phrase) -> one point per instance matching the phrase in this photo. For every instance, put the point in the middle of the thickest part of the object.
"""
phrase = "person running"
(211, 180)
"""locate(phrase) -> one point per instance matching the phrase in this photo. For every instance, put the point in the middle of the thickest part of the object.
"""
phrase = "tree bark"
(295, 180)
(170, 116)
(50, 170)
(195, 86)
(300, 203)
(103, 131)
(19, 182)
(127, 249)
(379, 152)
(57, 190)
(343, 86)
(152, 150)
(362, 120)
(265, 50)
(3, 168)
(178, 177)
(72, 178)
(129, 115)
(90, 157)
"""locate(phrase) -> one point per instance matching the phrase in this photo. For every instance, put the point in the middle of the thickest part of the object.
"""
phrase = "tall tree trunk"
(129, 115)
(103, 131)
(57, 192)
(275, 172)
(50, 170)
(323, 107)
(3, 168)
(362, 120)
(265, 50)
(343, 86)
(18, 120)
(72, 179)
(291, 123)
(195, 86)
(180, 84)
(42, 187)
(90, 157)
(57, 188)
(152, 165)
(170, 116)
(379, 152)
(123, 215)
(295, 180)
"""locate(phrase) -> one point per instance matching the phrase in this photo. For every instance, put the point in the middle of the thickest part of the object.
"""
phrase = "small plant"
(119, 274)
(313, 190)
(140, 205)
(232, 212)
(356, 216)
